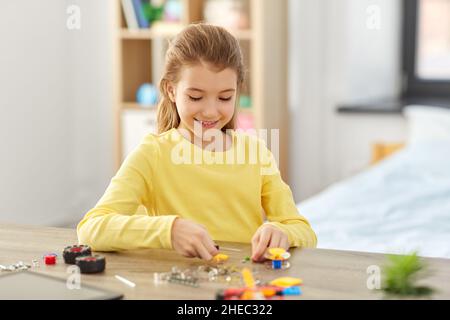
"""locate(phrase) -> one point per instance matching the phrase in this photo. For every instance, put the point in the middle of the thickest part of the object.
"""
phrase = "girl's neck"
(222, 145)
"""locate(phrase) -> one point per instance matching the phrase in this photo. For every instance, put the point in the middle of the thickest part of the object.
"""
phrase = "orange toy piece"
(220, 258)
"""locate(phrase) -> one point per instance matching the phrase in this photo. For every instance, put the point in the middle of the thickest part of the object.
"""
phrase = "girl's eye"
(225, 99)
(195, 99)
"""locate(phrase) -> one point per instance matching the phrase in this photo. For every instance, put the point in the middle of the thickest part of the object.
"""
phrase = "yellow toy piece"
(247, 276)
(278, 254)
(286, 282)
(219, 258)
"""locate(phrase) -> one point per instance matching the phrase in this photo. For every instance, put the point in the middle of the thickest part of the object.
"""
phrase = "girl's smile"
(207, 124)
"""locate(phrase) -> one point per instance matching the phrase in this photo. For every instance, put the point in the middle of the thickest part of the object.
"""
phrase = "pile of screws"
(230, 275)
(176, 276)
(224, 274)
(19, 266)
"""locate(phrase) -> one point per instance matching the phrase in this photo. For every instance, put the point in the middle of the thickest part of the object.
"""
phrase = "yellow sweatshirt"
(232, 193)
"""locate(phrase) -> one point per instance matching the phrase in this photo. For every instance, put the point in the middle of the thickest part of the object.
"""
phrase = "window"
(427, 48)
(433, 49)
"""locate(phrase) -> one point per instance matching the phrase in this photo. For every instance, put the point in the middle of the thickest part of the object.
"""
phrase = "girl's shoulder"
(255, 145)
(155, 139)
(250, 138)
(152, 143)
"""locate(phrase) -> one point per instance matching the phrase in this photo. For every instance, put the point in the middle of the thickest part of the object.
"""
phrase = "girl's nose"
(210, 112)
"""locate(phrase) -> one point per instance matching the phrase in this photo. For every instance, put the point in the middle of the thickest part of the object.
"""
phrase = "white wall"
(55, 114)
(90, 58)
(33, 112)
(335, 58)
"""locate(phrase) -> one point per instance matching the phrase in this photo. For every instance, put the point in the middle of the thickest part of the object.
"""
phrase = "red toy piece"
(50, 259)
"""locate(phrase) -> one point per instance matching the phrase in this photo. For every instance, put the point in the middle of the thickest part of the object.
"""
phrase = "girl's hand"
(267, 236)
(192, 240)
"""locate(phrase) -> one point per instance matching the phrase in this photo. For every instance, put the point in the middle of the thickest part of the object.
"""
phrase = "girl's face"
(205, 98)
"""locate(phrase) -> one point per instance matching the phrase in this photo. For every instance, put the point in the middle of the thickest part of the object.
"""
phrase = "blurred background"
(78, 88)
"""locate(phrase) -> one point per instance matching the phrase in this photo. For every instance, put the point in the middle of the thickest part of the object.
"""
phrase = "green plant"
(153, 13)
(403, 273)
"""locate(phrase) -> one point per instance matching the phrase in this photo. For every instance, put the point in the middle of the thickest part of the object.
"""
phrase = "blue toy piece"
(292, 291)
(276, 264)
(147, 95)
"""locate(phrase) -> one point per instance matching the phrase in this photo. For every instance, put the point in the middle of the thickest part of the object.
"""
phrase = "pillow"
(426, 123)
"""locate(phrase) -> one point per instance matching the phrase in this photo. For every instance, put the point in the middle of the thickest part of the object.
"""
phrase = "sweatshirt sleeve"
(113, 224)
(278, 204)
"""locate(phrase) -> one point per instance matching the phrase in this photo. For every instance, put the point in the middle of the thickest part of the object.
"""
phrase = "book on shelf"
(129, 13)
(140, 15)
(134, 13)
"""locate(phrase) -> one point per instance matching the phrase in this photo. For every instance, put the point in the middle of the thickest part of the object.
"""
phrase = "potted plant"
(401, 277)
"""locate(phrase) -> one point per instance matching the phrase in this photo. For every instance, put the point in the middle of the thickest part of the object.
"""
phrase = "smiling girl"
(191, 204)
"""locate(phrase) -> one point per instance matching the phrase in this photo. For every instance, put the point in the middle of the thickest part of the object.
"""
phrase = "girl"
(191, 203)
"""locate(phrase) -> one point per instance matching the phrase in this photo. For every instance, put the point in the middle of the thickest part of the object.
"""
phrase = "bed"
(399, 205)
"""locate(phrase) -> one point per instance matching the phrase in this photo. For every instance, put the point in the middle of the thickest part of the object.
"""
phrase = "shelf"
(159, 30)
(168, 30)
(137, 106)
(391, 106)
(242, 34)
(245, 110)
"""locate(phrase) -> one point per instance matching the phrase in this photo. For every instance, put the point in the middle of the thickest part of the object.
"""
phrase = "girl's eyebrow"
(200, 90)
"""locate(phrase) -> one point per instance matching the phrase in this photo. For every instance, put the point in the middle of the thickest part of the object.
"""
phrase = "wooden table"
(327, 274)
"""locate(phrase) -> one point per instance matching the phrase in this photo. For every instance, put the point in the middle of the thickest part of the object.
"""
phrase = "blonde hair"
(195, 44)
